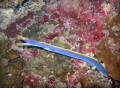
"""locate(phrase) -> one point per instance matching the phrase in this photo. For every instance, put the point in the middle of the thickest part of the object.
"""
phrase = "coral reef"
(50, 63)
(90, 81)
(71, 24)
(10, 66)
(10, 3)
(5, 13)
(62, 21)
(108, 49)
(5, 45)
(8, 16)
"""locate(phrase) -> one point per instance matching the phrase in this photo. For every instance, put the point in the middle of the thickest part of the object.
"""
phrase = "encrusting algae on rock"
(6, 3)
(71, 24)
(10, 66)
(10, 3)
(50, 64)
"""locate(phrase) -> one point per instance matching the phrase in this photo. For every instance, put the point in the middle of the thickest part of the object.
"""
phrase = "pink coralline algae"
(79, 24)
(71, 24)
(27, 54)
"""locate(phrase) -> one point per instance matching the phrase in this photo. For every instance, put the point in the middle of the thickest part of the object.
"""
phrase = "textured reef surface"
(10, 66)
(90, 27)
(111, 44)
(12, 3)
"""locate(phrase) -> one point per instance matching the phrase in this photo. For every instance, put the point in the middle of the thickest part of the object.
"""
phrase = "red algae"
(78, 25)
(71, 24)
(11, 31)
(32, 80)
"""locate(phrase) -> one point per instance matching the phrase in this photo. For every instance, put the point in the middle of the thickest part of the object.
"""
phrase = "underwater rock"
(53, 64)
(10, 3)
(4, 46)
(6, 3)
(92, 81)
(10, 66)
(108, 49)
(22, 17)
(5, 13)
(79, 24)
(2, 36)
(71, 24)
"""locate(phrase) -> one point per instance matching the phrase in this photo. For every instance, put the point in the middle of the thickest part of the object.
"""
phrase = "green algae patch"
(31, 31)
(59, 42)
(51, 64)
(87, 46)
(53, 22)
(46, 28)
(39, 32)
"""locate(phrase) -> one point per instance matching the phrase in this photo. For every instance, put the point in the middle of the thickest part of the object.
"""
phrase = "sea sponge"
(108, 49)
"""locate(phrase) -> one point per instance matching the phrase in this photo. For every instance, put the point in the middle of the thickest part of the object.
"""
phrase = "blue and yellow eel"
(66, 52)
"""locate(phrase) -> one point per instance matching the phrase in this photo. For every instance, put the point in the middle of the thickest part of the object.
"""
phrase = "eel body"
(65, 52)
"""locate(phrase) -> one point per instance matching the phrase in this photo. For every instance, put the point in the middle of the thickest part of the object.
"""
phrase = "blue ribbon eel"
(65, 52)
